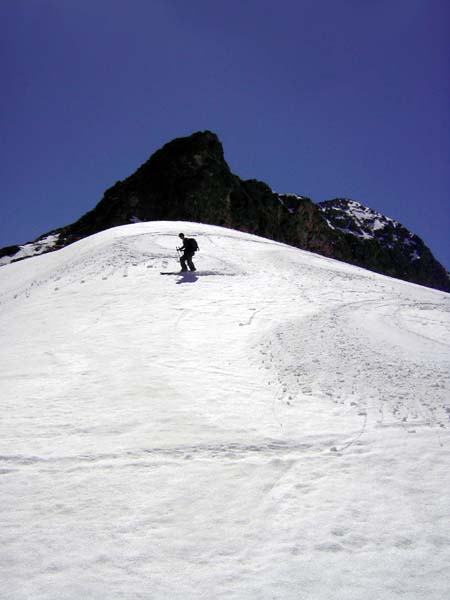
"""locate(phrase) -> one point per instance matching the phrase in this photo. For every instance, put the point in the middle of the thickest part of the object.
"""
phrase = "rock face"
(376, 242)
(188, 179)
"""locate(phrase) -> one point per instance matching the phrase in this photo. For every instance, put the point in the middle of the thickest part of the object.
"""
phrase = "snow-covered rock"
(363, 222)
(274, 425)
(369, 239)
(42, 245)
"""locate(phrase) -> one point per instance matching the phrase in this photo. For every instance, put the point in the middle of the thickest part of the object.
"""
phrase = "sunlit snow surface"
(275, 426)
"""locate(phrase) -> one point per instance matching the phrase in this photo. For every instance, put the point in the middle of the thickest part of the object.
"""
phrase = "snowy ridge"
(365, 223)
(367, 220)
(41, 246)
(274, 425)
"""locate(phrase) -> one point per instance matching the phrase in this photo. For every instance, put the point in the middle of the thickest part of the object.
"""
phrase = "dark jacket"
(189, 246)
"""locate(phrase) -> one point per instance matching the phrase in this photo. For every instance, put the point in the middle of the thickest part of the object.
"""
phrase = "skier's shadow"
(188, 277)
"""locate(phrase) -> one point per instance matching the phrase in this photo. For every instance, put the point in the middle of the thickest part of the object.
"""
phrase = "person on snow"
(189, 248)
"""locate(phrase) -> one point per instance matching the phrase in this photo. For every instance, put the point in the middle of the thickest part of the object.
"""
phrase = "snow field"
(275, 425)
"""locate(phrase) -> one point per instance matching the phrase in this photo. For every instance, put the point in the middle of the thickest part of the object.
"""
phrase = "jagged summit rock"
(181, 181)
(369, 239)
(188, 179)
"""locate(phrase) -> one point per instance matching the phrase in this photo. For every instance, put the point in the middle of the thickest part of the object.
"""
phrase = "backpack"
(191, 245)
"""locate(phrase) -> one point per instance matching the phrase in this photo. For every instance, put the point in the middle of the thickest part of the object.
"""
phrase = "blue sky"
(323, 98)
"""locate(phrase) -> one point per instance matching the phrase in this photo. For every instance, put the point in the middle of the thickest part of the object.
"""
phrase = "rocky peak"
(188, 179)
(365, 223)
(380, 243)
(193, 152)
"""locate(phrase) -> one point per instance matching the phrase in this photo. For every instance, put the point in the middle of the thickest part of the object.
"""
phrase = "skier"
(189, 248)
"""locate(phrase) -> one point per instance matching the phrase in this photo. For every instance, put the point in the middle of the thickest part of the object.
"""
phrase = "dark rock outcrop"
(9, 251)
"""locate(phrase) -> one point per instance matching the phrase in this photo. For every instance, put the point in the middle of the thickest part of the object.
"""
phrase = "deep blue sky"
(323, 98)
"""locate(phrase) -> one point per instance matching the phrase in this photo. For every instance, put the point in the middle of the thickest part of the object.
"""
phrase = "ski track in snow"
(385, 383)
(275, 425)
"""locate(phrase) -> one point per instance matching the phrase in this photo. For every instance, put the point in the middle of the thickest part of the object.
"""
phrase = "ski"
(170, 273)
(177, 272)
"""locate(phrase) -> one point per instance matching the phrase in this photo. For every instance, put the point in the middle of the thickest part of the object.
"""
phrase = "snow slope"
(274, 426)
